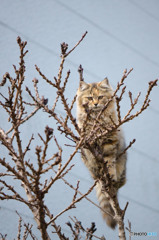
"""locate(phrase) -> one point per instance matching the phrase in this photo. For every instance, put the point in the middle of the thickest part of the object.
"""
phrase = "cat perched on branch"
(91, 98)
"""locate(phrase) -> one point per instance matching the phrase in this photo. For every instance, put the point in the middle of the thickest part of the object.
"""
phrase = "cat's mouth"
(93, 108)
(96, 108)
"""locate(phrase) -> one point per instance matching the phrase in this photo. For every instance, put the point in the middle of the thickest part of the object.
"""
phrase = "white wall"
(121, 34)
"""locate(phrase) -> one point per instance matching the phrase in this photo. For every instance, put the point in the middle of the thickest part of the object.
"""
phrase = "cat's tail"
(104, 204)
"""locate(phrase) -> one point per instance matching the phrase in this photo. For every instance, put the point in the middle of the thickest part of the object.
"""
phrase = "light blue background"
(121, 34)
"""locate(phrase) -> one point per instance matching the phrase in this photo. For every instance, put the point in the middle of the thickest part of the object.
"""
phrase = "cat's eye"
(100, 97)
(90, 98)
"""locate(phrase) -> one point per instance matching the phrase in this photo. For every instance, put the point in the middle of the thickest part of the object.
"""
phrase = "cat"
(91, 98)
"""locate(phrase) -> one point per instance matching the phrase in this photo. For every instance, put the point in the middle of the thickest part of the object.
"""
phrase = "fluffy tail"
(104, 204)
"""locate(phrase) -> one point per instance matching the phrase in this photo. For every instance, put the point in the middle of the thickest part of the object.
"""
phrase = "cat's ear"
(104, 83)
(83, 86)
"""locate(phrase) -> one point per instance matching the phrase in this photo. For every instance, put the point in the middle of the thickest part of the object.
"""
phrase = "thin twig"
(73, 203)
(76, 44)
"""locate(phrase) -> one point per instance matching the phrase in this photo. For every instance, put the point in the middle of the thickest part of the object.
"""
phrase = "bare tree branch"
(33, 174)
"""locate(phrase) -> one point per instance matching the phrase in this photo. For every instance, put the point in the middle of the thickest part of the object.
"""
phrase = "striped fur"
(104, 204)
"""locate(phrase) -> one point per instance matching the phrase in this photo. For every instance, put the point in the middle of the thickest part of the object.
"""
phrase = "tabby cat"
(91, 98)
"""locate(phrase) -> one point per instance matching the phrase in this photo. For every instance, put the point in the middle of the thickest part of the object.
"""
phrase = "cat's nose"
(95, 104)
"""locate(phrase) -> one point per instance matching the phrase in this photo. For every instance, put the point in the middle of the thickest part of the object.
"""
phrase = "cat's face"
(94, 96)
